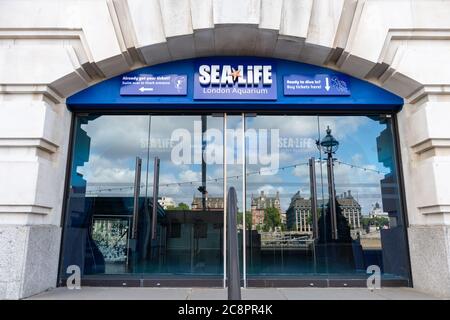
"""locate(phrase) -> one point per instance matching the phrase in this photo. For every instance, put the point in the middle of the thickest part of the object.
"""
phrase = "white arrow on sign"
(327, 84)
(142, 89)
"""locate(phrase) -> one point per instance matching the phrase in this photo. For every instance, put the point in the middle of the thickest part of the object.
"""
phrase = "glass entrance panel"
(323, 198)
(369, 225)
(281, 226)
(108, 155)
(235, 178)
(143, 200)
(189, 226)
(316, 196)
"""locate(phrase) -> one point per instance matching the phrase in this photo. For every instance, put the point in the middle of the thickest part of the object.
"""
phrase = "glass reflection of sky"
(117, 140)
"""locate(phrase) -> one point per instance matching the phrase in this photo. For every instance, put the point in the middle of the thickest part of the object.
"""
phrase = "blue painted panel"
(106, 95)
(318, 85)
(244, 79)
(154, 85)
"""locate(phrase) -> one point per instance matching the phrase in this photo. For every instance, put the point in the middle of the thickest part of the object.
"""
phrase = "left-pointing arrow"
(143, 89)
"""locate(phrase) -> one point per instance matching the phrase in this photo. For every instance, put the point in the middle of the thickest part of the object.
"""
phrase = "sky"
(117, 140)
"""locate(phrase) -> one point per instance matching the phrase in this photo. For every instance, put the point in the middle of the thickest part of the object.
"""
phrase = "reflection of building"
(283, 218)
(351, 209)
(391, 237)
(259, 204)
(377, 212)
(166, 202)
(212, 204)
(299, 212)
(390, 200)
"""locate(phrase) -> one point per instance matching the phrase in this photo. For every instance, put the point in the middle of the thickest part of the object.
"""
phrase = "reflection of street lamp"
(204, 193)
(329, 145)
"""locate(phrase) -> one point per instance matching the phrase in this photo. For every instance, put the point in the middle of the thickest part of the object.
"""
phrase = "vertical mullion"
(224, 200)
(244, 227)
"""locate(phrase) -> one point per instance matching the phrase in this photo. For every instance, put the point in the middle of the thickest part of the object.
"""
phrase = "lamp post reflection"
(330, 145)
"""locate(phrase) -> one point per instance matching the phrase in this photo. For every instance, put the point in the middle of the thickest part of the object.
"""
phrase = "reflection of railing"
(286, 240)
(289, 240)
(287, 244)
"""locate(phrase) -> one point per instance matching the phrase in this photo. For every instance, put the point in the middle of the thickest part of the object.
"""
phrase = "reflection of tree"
(248, 219)
(272, 219)
(180, 206)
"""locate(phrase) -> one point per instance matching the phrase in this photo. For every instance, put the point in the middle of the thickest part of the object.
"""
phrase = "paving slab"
(330, 294)
(208, 294)
(404, 294)
(110, 293)
(102, 293)
(262, 294)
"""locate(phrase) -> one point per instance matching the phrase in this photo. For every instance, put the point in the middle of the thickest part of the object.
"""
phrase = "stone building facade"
(51, 49)
(351, 209)
(260, 203)
(212, 204)
(299, 218)
(298, 215)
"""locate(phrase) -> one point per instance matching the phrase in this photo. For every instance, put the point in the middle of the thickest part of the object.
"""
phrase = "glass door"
(100, 234)
(281, 229)
(365, 221)
(189, 227)
(234, 156)
(146, 197)
(322, 199)
(317, 196)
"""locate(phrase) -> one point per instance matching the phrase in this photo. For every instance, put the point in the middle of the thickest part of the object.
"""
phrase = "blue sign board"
(234, 79)
(181, 85)
(316, 85)
(149, 84)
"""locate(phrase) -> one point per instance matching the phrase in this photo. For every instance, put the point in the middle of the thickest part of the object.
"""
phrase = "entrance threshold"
(98, 293)
(252, 282)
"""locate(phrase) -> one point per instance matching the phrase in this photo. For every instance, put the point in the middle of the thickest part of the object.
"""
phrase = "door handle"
(155, 196)
(137, 191)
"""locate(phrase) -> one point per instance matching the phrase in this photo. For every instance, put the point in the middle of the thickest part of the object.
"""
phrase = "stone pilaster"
(425, 149)
(34, 131)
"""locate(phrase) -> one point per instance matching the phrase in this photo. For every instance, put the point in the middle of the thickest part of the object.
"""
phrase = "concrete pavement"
(114, 293)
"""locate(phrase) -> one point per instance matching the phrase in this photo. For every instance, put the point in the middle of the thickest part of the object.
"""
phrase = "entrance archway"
(108, 223)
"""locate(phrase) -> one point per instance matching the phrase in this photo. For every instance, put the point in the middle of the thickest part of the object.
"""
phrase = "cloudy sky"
(117, 140)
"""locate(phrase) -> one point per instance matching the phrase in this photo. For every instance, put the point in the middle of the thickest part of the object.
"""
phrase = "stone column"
(34, 134)
(42, 62)
(353, 219)
(425, 147)
(305, 221)
(358, 219)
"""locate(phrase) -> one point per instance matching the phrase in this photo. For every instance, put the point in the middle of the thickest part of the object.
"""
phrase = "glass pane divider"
(244, 209)
(225, 192)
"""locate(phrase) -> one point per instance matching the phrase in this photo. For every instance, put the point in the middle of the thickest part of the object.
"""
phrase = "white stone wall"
(50, 49)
